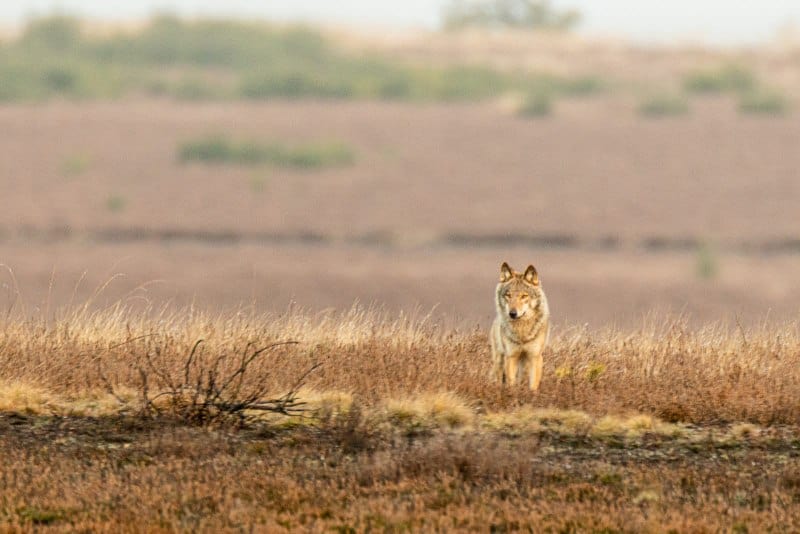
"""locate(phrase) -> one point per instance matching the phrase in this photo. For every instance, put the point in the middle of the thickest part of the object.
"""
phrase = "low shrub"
(221, 150)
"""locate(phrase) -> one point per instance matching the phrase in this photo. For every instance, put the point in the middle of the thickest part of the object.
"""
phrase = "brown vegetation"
(630, 431)
(124, 476)
(703, 376)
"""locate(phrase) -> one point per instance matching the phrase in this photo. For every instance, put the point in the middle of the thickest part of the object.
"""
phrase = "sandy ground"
(434, 203)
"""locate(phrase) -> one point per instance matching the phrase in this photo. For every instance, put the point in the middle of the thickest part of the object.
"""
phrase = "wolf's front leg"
(535, 361)
(536, 364)
(498, 372)
(512, 367)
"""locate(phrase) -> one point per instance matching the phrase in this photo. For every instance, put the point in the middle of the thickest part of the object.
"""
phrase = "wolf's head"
(518, 294)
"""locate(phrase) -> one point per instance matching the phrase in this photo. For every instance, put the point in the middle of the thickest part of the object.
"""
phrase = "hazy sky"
(716, 21)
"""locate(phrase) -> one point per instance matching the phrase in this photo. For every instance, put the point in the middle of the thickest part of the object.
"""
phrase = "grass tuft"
(25, 398)
(436, 409)
(563, 421)
(39, 516)
(742, 431)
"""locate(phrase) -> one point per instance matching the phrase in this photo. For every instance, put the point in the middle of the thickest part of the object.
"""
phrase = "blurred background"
(643, 155)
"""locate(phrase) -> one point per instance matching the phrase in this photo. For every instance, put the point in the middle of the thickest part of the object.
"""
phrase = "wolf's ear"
(531, 276)
(505, 272)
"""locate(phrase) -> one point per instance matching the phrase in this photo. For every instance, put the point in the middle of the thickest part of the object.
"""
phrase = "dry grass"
(403, 432)
(670, 372)
(125, 476)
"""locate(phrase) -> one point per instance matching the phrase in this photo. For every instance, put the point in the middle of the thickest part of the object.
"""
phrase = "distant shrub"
(258, 182)
(706, 261)
(536, 105)
(57, 33)
(75, 164)
(42, 77)
(397, 86)
(206, 59)
(764, 102)
(581, 86)
(194, 88)
(524, 14)
(468, 83)
(115, 203)
(60, 79)
(729, 78)
(19, 81)
(664, 106)
(218, 149)
(297, 84)
(543, 83)
(168, 40)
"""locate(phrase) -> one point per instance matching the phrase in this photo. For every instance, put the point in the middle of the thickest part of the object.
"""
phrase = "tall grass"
(406, 431)
(668, 372)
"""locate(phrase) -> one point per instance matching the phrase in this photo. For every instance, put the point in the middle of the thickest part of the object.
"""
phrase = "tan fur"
(518, 342)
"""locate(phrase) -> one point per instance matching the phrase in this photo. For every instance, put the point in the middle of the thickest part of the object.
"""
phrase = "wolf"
(522, 326)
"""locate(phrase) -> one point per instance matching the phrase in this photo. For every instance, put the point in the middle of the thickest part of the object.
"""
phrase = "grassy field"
(274, 175)
(106, 427)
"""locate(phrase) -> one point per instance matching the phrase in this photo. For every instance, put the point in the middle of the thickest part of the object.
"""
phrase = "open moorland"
(622, 215)
(191, 209)
(223, 164)
(121, 422)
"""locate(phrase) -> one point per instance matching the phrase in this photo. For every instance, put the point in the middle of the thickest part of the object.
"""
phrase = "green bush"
(193, 87)
(168, 40)
(707, 262)
(467, 83)
(298, 84)
(729, 78)
(40, 78)
(75, 164)
(526, 14)
(764, 102)
(536, 105)
(581, 86)
(116, 203)
(55, 34)
(221, 150)
(664, 106)
(224, 59)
